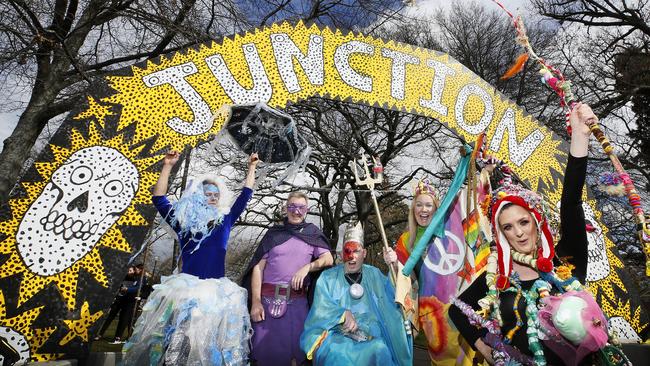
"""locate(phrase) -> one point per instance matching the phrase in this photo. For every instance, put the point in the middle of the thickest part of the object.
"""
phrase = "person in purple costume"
(203, 249)
(279, 278)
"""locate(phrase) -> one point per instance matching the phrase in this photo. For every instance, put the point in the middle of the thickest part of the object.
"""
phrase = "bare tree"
(61, 46)
(633, 15)
(483, 39)
(610, 62)
(53, 49)
(606, 45)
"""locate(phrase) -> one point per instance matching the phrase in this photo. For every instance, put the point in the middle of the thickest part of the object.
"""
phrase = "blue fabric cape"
(376, 313)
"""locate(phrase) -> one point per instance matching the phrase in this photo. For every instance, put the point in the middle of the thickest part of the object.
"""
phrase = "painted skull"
(18, 342)
(623, 329)
(598, 264)
(84, 198)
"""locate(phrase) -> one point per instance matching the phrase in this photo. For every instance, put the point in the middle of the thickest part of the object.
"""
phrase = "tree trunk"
(17, 147)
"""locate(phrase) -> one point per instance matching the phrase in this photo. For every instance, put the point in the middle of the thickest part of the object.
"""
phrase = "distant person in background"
(131, 299)
(119, 307)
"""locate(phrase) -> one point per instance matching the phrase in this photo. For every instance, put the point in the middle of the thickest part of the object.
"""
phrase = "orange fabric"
(401, 248)
(516, 67)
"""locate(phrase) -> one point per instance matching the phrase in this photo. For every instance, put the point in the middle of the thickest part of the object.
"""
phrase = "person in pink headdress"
(521, 279)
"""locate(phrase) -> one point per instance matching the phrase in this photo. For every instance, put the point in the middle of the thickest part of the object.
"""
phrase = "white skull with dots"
(84, 198)
(18, 342)
(598, 264)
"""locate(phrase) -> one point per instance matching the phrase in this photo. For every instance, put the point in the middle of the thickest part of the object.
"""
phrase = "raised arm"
(573, 242)
(171, 158)
(581, 117)
(253, 159)
(240, 203)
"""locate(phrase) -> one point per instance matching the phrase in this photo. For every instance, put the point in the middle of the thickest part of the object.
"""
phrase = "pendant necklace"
(356, 290)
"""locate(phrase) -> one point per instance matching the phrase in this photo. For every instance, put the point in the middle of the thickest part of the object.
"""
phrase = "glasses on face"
(297, 209)
(213, 195)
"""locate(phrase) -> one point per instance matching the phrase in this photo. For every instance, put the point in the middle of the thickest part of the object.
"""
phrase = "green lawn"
(103, 345)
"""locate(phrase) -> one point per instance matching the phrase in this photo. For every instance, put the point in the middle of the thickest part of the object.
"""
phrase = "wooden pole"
(139, 292)
(186, 172)
(370, 181)
(632, 195)
(391, 266)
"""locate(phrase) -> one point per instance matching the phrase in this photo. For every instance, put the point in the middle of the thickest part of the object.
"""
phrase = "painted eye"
(113, 188)
(81, 175)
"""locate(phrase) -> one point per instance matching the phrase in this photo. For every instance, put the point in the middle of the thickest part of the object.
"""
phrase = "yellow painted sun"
(66, 281)
(18, 330)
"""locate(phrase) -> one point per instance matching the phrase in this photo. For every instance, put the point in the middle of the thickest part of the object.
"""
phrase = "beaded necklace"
(539, 289)
(490, 303)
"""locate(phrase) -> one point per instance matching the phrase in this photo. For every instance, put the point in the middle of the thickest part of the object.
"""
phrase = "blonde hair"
(413, 224)
(298, 194)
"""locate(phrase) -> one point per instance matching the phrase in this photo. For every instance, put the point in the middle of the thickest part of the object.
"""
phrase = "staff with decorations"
(529, 313)
(617, 184)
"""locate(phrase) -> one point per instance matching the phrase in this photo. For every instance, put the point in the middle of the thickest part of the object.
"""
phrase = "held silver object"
(356, 291)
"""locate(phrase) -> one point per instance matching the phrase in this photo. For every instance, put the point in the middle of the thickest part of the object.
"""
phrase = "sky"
(8, 120)
(511, 5)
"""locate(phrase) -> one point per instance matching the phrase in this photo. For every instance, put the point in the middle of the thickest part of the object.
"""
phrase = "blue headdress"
(193, 214)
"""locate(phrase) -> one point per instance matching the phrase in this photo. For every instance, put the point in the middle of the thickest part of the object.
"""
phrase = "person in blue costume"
(198, 316)
(203, 229)
(354, 319)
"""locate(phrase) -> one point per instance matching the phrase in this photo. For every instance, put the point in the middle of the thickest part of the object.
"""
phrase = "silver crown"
(353, 233)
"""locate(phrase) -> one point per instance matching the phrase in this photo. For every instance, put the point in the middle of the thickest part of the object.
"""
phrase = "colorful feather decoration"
(554, 78)
(517, 67)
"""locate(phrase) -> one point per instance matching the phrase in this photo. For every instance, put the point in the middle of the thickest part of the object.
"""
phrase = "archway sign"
(85, 204)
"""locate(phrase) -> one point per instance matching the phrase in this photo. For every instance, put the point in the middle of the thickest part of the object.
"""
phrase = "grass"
(103, 345)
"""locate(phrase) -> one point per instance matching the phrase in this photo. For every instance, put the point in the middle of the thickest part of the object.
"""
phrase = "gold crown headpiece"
(424, 187)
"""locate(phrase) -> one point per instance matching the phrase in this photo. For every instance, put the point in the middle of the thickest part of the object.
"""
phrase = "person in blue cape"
(354, 319)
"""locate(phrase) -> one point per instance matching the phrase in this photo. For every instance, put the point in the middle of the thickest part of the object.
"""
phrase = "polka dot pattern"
(83, 199)
(441, 72)
(519, 150)
(261, 89)
(177, 101)
(398, 70)
(343, 65)
(17, 342)
(285, 51)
